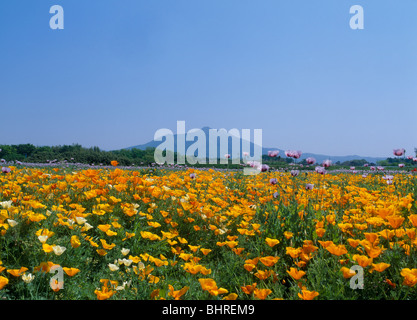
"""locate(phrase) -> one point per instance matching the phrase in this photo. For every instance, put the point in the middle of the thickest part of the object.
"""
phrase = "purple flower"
(295, 173)
(311, 160)
(273, 181)
(5, 169)
(297, 154)
(398, 152)
(309, 186)
(273, 154)
(289, 153)
(264, 167)
(192, 175)
(293, 154)
(327, 163)
(320, 170)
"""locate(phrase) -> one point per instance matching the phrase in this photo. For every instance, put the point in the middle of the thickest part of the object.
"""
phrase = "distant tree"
(354, 162)
(25, 149)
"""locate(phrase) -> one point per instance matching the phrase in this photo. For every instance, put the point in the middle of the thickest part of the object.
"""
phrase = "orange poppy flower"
(104, 294)
(176, 294)
(296, 274)
(395, 221)
(114, 163)
(293, 252)
(211, 286)
(47, 248)
(347, 273)
(106, 245)
(410, 277)
(413, 219)
(288, 234)
(387, 234)
(271, 242)
(17, 272)
(252, 261)
(320, 232)
(362, 260)
(336, 250)
(379, 267)
(269, 261)
(101, 252)
(3, 282)
(371, 236)
(205, 251)
(231, 296)
(154, 294)
(71, 271)
(238, 251)
(373, 252)
(393, 285)
(353, 243)
(262, 275)
(75, 242)
(248, 289)
(261, 293)
(249, 266)
(308, 295)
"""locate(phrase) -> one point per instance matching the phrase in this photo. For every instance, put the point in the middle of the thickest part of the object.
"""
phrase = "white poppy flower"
(87, 226)
(126, 262)
(28, 277)
(58, 250)
(80, 220)
(12, 223)
(43, 239)
(6, 204)
(125, 251)
(113, 267)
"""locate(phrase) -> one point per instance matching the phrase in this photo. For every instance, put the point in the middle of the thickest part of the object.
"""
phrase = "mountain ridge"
(319, 157)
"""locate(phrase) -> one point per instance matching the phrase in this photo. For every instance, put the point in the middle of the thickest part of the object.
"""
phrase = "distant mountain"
(235, 153)
(321, 157)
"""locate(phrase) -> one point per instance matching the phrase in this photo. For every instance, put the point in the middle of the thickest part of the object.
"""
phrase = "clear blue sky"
(120, 70)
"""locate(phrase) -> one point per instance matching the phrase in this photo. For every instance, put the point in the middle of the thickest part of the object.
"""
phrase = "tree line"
(76, 153)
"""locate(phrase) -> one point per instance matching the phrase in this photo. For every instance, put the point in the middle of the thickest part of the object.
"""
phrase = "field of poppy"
(206, 234)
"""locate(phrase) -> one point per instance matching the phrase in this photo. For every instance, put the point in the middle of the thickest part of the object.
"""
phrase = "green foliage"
(75, 154)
